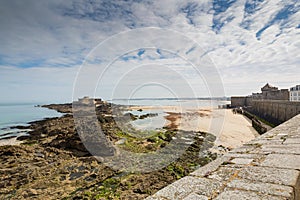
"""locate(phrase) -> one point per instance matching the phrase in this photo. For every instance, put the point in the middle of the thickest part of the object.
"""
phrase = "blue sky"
(45, 45)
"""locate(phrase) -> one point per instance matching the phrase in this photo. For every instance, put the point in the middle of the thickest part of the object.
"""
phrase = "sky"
(56, 51)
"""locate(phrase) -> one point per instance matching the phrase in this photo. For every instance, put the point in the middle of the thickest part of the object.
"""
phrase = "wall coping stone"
(267, 167)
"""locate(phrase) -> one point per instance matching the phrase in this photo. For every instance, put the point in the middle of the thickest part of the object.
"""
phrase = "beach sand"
(231, 130)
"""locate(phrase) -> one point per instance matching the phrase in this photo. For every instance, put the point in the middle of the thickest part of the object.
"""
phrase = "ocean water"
(20, 114)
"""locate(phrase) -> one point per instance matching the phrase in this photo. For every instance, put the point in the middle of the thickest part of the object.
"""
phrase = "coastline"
(235, 129)
(232, 130)
(9, 141)
(52, 161)
(16, 119)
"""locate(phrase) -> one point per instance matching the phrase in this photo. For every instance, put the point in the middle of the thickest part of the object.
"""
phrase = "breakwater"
(267, 167)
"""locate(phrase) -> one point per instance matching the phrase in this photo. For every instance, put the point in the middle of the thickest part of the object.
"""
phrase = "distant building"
(85, 100)
(269, 92)
(295, 93)
(97, 101)
(256, 95)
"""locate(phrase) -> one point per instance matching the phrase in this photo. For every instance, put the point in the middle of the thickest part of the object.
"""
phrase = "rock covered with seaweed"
(52, 162)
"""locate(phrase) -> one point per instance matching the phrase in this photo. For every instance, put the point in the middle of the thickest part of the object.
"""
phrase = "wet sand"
(10, 141)
(232, 130)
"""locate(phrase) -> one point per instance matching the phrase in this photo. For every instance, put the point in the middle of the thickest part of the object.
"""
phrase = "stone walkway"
(267, 167)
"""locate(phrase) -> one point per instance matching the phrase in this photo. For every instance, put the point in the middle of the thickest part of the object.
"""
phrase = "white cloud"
(56, 34)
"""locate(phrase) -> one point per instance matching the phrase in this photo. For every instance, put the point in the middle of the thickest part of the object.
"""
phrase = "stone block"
(246, 195)
(242, 161)
(282, 148)
(242, 155)
(270, 175)
(187, 185)
(282, 161)
(262, 188)
(223, 174)
(195, 196)
(210, 167)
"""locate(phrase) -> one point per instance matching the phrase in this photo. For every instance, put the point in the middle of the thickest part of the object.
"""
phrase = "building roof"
(296, 88)
(268, 86)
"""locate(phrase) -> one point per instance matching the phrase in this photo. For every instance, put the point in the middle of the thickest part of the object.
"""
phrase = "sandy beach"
(231, 130)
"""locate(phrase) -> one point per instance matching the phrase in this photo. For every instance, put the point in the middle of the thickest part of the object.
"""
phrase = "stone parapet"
(267, 167)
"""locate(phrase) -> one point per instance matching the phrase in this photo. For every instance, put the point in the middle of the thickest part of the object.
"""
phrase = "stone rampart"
(267, 167)
(275, 111)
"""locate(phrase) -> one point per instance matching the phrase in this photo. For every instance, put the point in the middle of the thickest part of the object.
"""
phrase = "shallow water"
(20, 114)
(149, 123)
(157, 122)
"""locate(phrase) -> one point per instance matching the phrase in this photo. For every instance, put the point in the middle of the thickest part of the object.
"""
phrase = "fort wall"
(267, 167)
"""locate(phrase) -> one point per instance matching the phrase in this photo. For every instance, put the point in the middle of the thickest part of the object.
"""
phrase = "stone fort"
(272, 93)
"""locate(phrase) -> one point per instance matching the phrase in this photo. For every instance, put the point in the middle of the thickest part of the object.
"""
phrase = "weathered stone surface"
(262, 188)
(242, 161)
(282, 148)
(282, 161)
(242, 155)
(270, 175)
(246, 195)
(187, 185)
(265, 141)
(210, 167)
(194, 196)
(292, 140)
(265, 168)
(245, 149)
(223, 174)
(156, 198)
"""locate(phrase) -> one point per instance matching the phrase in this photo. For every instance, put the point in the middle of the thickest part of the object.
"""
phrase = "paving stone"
(156, 198)
(241, 155)
(244, 149)
(282, 148)
(242, 161)
(270, 175)
(187, 185)
(282, 161)
(262, 141)
(195, 196)
(267, 167)
(210, 167)
(223, 174)
(246, 195)
(262, 188)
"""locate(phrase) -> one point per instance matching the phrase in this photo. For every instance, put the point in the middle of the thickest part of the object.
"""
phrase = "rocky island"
(53, 163)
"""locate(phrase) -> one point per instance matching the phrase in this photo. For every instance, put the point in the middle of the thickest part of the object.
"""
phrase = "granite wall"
(274, 111)
(267, 167)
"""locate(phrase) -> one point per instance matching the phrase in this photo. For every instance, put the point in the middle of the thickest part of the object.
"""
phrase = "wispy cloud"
(248, 41)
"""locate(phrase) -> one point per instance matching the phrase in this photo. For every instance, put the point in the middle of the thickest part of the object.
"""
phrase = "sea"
(20, 114)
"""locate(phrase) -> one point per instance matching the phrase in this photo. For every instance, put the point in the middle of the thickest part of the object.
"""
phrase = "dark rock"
(76, 175)
(23, 137)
